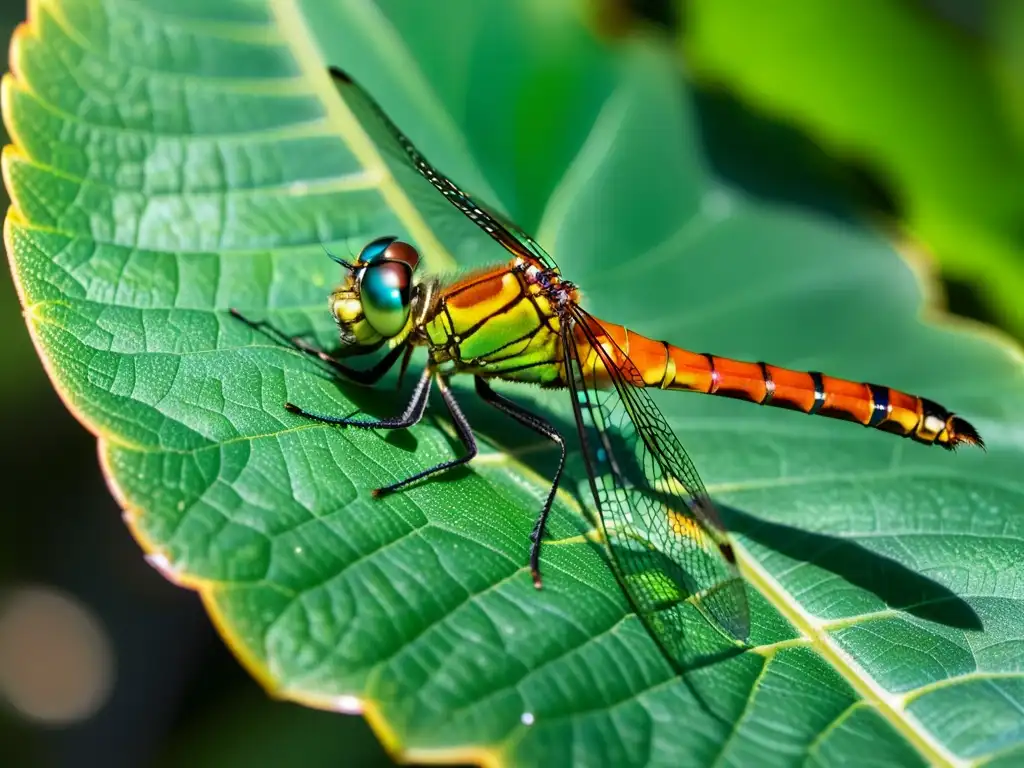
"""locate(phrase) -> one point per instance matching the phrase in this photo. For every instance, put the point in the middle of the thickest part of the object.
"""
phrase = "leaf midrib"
(889, 706)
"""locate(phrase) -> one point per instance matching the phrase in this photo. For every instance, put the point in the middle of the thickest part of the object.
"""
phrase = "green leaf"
(1006, 28)
(155, 185)
(907, 96)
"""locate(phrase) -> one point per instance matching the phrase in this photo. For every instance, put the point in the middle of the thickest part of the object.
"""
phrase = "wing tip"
(337, 73)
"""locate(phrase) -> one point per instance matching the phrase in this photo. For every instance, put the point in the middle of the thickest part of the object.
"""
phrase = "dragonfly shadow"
(898, 586)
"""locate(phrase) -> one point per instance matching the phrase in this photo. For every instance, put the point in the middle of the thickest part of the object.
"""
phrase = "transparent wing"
(399, 147)
(667, 544)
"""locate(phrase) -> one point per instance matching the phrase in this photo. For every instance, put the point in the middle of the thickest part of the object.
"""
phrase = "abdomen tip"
(962, 432)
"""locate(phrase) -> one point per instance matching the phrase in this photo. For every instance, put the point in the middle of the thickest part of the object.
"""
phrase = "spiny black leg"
(411, 415)
(540, 426)
(368, 377)
(464, 431)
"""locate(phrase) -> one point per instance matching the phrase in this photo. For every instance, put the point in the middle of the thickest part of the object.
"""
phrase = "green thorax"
(496, 324)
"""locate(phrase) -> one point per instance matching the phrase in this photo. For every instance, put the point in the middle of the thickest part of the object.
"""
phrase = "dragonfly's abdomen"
(668, 367)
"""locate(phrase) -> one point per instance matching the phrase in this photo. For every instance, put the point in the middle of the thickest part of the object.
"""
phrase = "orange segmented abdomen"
(662, 365)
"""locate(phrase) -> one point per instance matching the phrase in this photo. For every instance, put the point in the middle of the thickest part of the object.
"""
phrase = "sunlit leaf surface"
(173, 160)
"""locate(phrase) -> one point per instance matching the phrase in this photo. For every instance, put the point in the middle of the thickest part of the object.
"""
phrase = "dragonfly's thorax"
(425, 299)
(548, 283)
(502, 322)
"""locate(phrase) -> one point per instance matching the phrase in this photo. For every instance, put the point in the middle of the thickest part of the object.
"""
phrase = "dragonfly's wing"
(667, 545)
(525, 241)
(398, 146)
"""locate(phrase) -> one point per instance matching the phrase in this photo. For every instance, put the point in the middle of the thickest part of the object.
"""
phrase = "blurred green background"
(913, 111)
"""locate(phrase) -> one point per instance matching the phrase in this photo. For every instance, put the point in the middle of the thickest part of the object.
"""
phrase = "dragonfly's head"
(372, 305)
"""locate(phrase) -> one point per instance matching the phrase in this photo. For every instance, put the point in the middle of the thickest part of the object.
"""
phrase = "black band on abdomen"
(819, 391)
(715, 381)
(769, 385)
(879, 404)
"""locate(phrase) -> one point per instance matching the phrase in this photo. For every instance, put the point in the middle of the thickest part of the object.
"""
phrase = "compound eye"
(374, 251)
(403, 252)
(385, 288)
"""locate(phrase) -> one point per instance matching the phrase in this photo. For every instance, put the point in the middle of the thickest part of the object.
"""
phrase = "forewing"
(667, 545)
(390, 139)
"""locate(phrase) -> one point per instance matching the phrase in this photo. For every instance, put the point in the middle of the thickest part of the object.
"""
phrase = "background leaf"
(155, 186)
(929, 108)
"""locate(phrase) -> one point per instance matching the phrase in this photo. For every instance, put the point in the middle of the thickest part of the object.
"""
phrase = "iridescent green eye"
(389, 249)
(384, 291)
(374, 251)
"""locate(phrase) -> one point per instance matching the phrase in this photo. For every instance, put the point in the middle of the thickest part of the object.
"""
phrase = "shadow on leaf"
(900, 587)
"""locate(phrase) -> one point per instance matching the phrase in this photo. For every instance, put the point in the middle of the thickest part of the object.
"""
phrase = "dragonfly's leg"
(540, 426)
(464, 431)
(411, 415)
(367, 377)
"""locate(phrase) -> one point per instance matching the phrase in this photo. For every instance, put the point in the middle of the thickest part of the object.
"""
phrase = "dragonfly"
(521, 321)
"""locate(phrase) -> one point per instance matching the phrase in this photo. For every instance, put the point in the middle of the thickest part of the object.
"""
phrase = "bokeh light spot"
(56, 661)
